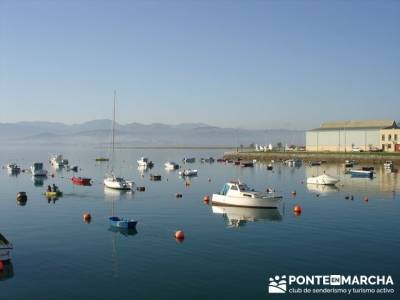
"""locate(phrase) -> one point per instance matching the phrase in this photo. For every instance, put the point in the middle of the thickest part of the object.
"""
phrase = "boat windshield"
(119, 179)
(225, 189)
(243, 188)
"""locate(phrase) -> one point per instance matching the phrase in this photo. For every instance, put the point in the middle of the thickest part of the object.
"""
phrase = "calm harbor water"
(227, 253)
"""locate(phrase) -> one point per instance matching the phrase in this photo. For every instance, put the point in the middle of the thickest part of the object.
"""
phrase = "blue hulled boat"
(122, 223)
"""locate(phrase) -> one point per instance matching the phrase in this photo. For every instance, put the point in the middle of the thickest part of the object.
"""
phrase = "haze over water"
(57, 255)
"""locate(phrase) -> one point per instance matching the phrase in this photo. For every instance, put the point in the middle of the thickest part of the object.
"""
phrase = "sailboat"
(112, 181)
(118, 183)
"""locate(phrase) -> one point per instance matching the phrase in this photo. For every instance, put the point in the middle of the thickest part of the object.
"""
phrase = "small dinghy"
(122, 223)
(53, 194)
(322, 180)
(80, 180)
(361, 173)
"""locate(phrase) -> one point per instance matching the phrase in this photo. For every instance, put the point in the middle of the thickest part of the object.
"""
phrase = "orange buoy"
(206, 198)
(366, 199)
(297, 209)
(87, 217)
(179, 235)
(1, 265)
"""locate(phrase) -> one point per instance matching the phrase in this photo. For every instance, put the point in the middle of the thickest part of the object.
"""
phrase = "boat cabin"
(37, 166)
(234, 188)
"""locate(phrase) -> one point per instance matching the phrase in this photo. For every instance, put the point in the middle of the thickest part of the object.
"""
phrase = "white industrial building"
(348, 136)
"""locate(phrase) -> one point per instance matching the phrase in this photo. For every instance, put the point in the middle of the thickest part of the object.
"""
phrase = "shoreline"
(363, 157)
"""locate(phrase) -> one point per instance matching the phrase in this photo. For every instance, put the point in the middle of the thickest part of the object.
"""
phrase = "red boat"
(81, 180)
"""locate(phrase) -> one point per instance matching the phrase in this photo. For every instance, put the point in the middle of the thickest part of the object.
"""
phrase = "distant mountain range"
(98, 132)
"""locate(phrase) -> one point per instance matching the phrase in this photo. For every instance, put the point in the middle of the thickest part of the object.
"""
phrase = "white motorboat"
(188, 172)
(170, 165)
(112, 181)
(118, 183)
(293, 162)
(239, 216)
(5, 248)
(388, 165)
(145, 162)
(12, 168)
(323, 179)
(58, 161)
(235, 193)
(37, 169)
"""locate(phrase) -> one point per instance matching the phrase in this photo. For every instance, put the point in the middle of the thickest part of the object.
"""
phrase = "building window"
(383, 137)
(389, 146)
(389, 137)
(395, 137)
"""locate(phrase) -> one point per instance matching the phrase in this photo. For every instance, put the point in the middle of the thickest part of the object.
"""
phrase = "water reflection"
(38, 181)
(322, 189)
(239, 216)
(8, 270)
(113, 194)
(123, 231)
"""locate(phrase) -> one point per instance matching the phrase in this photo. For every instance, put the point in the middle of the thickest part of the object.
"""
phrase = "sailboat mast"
(113, 124)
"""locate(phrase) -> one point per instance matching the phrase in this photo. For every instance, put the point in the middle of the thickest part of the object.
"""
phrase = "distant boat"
(388, 165)
(235, 193)
(80, 180)
(188, 172)
(13, 168)
(361, 173)
(155, 177)
(292, 162)
(58, 161)
(145, 162)
(5, 249)
(37, 169)
(122, 223)
(245, 164)
(322, 180)
(102, 159)
(270, 167)
(188, 160)
(170, 165)
(315, 163)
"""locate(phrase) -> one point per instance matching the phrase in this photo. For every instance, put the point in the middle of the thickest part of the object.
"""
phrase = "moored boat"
(37, 169)
(58, 161)
(53, 194)
(81, 180)
(189, 160)
(13, 168)
(235, 193)
(361, 173)
(145, 162)
(388, 165)
(170, 165)
(323, 179)
(5, 249)
(122, 222)
(245, 164)
(188, 172)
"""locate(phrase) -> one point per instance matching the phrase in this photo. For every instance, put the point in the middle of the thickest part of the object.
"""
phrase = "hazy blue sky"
(254, 64)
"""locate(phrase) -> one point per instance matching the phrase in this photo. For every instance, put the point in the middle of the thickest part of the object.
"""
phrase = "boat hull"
(122, 223)
(262, 202)
(53, 194)
(80, 180)
(360, 173)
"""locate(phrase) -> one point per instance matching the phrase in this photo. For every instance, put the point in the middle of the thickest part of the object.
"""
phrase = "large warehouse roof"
(378, 124)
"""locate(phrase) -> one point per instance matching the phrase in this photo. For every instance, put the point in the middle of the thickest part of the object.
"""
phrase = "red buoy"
(179, 235)
(297, 209)
(366, 199)
(206, 198)
(87, 217)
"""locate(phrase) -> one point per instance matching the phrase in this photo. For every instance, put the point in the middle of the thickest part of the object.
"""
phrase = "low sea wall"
(363, 157)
